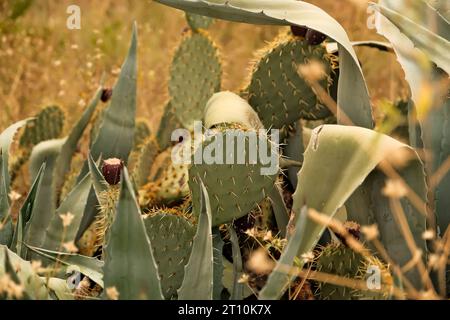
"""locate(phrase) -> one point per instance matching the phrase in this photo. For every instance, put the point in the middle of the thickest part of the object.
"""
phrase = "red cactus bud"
(106, 94)
(314, 37)
(112, 169)
(299, 31)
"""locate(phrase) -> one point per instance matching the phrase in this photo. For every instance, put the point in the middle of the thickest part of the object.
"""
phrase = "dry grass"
(43, 62)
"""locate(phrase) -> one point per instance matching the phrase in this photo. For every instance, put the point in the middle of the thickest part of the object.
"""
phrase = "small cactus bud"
(106, 94)
(299, 31)
(314, 37)
(112, 169)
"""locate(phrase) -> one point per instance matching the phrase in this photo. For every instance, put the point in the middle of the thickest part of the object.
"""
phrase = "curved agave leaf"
(332, 47)
(353, 96)
(279, 279)
(433, 45)
(98, 180)
(25, 214)
(70, 145)
(198, 272)
(115, 137)
(45, 200)
(237, 291)
(337, 161)
(33, 285)
(88, 266)
(59, 288)
(6, 138)
(57, 234)
(129, 263)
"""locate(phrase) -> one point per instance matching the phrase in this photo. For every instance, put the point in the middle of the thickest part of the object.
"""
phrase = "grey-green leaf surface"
(6, 138)
(98, 180)
(280, 278)
(218, 265)
(33, 285)
(353, 96)
(337, 161)
(44, 203)
(237, 291)
(74, 204)
(70, 145)
(25, 214)
(198, 273)
(433, 45)
(133, 272)
(116, 134)
(279, 209)
(88, 266)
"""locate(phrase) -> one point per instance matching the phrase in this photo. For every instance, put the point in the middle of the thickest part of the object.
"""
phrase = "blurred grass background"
(42, 62)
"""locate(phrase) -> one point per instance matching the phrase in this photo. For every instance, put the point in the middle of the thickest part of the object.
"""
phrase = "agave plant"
(345, 199)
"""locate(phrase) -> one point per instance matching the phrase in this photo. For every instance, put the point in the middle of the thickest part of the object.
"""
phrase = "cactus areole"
(112, 169)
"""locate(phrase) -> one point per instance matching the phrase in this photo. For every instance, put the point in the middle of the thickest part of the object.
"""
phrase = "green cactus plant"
(171, 234)
(195, 75)
(48, 124)
(278, 93)
(338, 259)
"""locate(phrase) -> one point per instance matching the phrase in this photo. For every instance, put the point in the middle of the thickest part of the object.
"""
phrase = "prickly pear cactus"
(168, 182)
(340, 260)
(235, 188)
(195, 76)
(171, 235)
(277, 92)
(48, 124)
(142, 160)
(196, 21)
(105, 218)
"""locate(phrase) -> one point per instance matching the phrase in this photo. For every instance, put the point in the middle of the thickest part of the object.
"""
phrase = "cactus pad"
(277, 92)
(197, 21)
(141, 132)
(47, 125)
(338, 259)
(171, 236)
(234, 189)
(195, 77)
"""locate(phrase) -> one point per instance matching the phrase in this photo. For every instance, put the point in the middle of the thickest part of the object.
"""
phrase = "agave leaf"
(25, 214)
(115, 138)
(44, 206)
(132, 272)
(427, 13)
(98, 180)
(74, 204)
(34, 287)
(433, 116)
(237, 292)
(279, 209)
(6, 138)
(9, 270)
(88, 266)
(337, 161)
(198, 272)
(70, 145)
(433, 45)
(279, 279)
(218, 264)
(352, 86)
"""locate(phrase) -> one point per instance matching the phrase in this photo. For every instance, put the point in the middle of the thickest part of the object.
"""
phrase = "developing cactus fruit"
(280, 189)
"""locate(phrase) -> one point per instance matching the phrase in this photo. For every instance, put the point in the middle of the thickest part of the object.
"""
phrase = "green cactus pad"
(141, 132)
(195, 76)
(47, 125)
(197, 21)
(171, 238)
(277, 92)
(234, 189)
(142, 160)
(340, 260)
